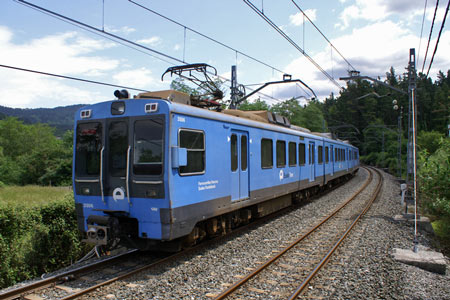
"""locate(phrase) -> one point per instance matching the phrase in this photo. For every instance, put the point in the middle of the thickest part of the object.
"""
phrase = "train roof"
(178, 102)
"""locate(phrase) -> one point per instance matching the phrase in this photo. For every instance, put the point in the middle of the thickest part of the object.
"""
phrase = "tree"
(258, 104)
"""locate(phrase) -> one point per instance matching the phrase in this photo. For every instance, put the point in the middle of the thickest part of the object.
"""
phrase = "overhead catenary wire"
(323, 35)
(185, 27)
(285, 36)
(429, 36)
(115, 38)
(421, 28)
(72, 78)
(439, 37)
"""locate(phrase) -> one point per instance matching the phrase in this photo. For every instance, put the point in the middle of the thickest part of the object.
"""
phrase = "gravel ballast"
(362, 268)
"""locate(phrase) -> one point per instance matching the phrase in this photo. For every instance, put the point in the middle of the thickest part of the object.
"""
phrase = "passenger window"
(234, 153)
(327, 159)
(292, 154)
(148, 147)
(243, 153)
(320, 154)
(266, 153)
(301, 154)
(194, 142)
(281, 154)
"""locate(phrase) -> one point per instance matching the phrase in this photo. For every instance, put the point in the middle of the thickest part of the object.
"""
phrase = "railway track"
(76, 283)
(302, 259)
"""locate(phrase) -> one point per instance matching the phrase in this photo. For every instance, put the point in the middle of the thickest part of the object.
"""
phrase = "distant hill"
(59, 117)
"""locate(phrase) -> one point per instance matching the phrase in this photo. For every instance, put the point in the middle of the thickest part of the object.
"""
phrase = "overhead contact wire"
(429, 36)
(285, 36)
(114, 38)
(323, 35)
(71, 78)
(439, 37)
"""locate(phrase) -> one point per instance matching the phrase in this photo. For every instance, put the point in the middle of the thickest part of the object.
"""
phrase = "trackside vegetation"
(38, 230)
(37, 237)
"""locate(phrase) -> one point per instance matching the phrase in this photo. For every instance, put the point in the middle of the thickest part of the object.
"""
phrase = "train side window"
(194, 142)
(234, 153)
(266, 153)
(327, 158)
(301, 154)
(320, 154)
(292, 154)
(244, 153)
(336, 157)
(281, 154)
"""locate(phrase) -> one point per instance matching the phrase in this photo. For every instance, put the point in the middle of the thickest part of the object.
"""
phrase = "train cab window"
(281, 154)
(320, 154)
(244, 162)
(266, 153)
(118, 146)
(234, 153)
(194, 142)
(327, 158)
(292, 154)
(88, 147)
(148, 147)
(301, 154)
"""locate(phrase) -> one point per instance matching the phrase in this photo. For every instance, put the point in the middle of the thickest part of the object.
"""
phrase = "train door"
(347, 162)
(312, 167)
(332, 160)
(116, 164)
(239, 165)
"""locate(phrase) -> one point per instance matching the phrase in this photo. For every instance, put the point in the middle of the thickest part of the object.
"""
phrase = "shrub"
(434, 181)
(37, 239)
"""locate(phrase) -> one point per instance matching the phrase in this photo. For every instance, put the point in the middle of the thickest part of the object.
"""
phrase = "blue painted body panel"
(218, 180)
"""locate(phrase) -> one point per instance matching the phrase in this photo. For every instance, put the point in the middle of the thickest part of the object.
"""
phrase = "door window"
(148, 147)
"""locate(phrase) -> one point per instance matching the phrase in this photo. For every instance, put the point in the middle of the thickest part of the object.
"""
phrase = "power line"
(71, 78)
(439, 37)
(285, 36)
(323, 35)
(421, 29)
(101, 31)
(112, 37)
(429, 37)
(211, 39)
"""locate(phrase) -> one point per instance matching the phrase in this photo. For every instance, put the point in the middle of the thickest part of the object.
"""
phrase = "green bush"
(37, 239)
(434, 182)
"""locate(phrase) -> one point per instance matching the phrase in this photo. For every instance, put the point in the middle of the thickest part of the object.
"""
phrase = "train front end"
(119, 176)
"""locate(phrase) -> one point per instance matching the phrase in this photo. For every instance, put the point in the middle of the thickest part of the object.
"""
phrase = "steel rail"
(18, 292)
(176, 255)
(242, 281)
(325, 259)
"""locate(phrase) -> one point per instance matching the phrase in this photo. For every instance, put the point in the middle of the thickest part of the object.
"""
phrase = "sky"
(372, 35)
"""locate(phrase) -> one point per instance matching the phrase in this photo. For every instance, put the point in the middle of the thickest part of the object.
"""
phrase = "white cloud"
(140, 78)
(378, 10)
(152, 41)
(297, 19)
(124, 29)
(372, 50)
(67, 54)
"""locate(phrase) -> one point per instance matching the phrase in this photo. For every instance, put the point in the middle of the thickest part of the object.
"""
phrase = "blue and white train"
(154, 172)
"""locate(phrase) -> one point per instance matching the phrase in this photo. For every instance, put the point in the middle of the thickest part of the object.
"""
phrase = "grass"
(32, 195)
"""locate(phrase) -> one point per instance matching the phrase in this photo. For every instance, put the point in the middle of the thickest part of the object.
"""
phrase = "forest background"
(36, 149)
